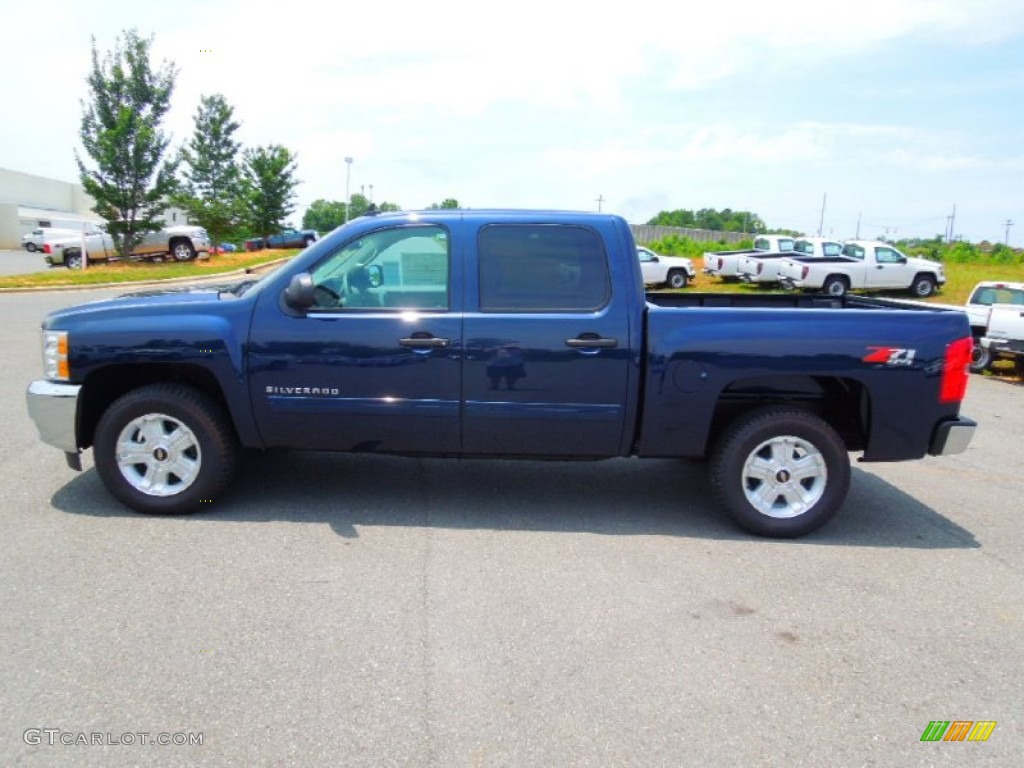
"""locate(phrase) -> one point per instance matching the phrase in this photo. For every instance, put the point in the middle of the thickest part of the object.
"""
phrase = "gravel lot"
(366, 611)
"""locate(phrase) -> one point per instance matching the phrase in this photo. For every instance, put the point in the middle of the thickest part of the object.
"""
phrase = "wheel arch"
(105, 385)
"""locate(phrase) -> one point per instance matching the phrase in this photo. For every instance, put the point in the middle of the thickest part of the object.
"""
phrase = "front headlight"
(55, 355)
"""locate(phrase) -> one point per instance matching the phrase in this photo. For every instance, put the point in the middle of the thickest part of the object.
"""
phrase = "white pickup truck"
(864, 265)
(673, 271)
(992, 299)
(1005, 335)
(763, 268)
(181, 243)
(725, 264)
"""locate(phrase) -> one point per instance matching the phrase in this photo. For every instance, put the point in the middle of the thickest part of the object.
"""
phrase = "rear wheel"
(308, 240)
(73, 260)
(981, 357)
(836, 285)
(165, 449)
(677, 279)
(780, 472)
(31, 247)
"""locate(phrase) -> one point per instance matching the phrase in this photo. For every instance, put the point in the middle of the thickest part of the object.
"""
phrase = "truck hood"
(143, 303)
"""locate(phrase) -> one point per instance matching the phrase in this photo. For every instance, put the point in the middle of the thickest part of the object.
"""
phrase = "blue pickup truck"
(503, 334)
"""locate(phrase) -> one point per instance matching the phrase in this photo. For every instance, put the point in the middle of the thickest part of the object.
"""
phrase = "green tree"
(209, 192)
(359, 206)
(268, 188)
(121, 133)
(448, 202)
(725, 220)
(324, 215)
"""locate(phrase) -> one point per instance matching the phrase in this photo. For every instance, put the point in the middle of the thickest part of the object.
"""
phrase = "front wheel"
(165, 449)
(981, 357)
(182, 250)
(780, 472)
(677, 279)
(923, 286)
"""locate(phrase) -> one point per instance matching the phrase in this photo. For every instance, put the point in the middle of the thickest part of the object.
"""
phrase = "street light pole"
(348, 182)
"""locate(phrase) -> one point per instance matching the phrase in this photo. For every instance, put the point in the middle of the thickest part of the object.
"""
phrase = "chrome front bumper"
(54, 409)
(952, 437)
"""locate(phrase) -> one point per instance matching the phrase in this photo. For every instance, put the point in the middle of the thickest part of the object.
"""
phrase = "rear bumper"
(1004, 346)
(951, 437)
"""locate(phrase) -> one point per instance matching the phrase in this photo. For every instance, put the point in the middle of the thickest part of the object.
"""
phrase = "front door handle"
(425, 341)
(591, 341)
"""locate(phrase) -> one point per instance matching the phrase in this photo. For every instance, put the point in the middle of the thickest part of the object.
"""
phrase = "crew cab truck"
(181, 242)
(763, 268)
(867, 265)
(670, 271)
(504, 334)
(980, 306)
(725, 264)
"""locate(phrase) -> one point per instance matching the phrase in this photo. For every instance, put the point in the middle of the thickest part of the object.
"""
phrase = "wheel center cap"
(160, 454)
(782, 476)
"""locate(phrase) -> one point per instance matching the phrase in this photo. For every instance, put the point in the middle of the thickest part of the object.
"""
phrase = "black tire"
(182, 250)
(677, 278)
(189, 429)
(780, 443)
(309, 240)
(923, 286)
(30, 247)
(981, 357)
(836, 285)
(73, 259)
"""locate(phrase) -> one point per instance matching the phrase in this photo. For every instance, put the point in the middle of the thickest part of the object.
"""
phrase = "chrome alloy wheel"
(784, 476)
(158, 455)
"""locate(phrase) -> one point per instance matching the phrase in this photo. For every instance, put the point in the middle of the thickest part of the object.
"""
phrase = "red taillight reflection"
(955, 371)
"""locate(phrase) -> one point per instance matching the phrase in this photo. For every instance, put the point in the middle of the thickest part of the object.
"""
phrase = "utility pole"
(952, 223)
(857, 236)
(348, 180)
(600, 199)
(1008, 225)
(821, 221)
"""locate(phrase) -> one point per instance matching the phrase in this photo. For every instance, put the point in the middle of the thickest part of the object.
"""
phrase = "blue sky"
(896, 109)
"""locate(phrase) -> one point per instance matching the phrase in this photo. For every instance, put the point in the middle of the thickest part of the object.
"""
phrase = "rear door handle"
(416, 341)
(591, 341)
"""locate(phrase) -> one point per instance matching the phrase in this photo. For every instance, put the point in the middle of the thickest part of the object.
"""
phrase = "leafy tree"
(359, 206)
(386, 206)
(448, 202)
(725, 220)
(211, 174)
(268, 188)
(121, 133)
(324, 215)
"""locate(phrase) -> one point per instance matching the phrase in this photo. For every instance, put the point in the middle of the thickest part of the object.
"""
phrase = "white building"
(28, 201)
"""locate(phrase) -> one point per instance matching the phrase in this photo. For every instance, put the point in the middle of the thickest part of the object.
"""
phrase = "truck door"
(374, 365)
(547, 343)
(890, 270)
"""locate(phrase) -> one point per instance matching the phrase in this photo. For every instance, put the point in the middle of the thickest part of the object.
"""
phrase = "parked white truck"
(864, 265)
(763, 268)
(181, 243)
(725, 264)
(1005, 335)
(673, 271)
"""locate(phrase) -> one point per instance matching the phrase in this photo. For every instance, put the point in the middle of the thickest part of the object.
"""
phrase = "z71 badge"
(890, 356)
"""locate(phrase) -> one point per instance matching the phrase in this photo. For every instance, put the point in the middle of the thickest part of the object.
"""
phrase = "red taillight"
(47, 248)
(955, 371)
(803, 273)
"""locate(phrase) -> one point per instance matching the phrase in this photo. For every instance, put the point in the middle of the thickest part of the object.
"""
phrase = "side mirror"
(299, 293)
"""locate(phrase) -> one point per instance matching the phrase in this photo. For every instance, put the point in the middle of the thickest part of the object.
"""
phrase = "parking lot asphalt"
(21, 263)
(369, 611)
